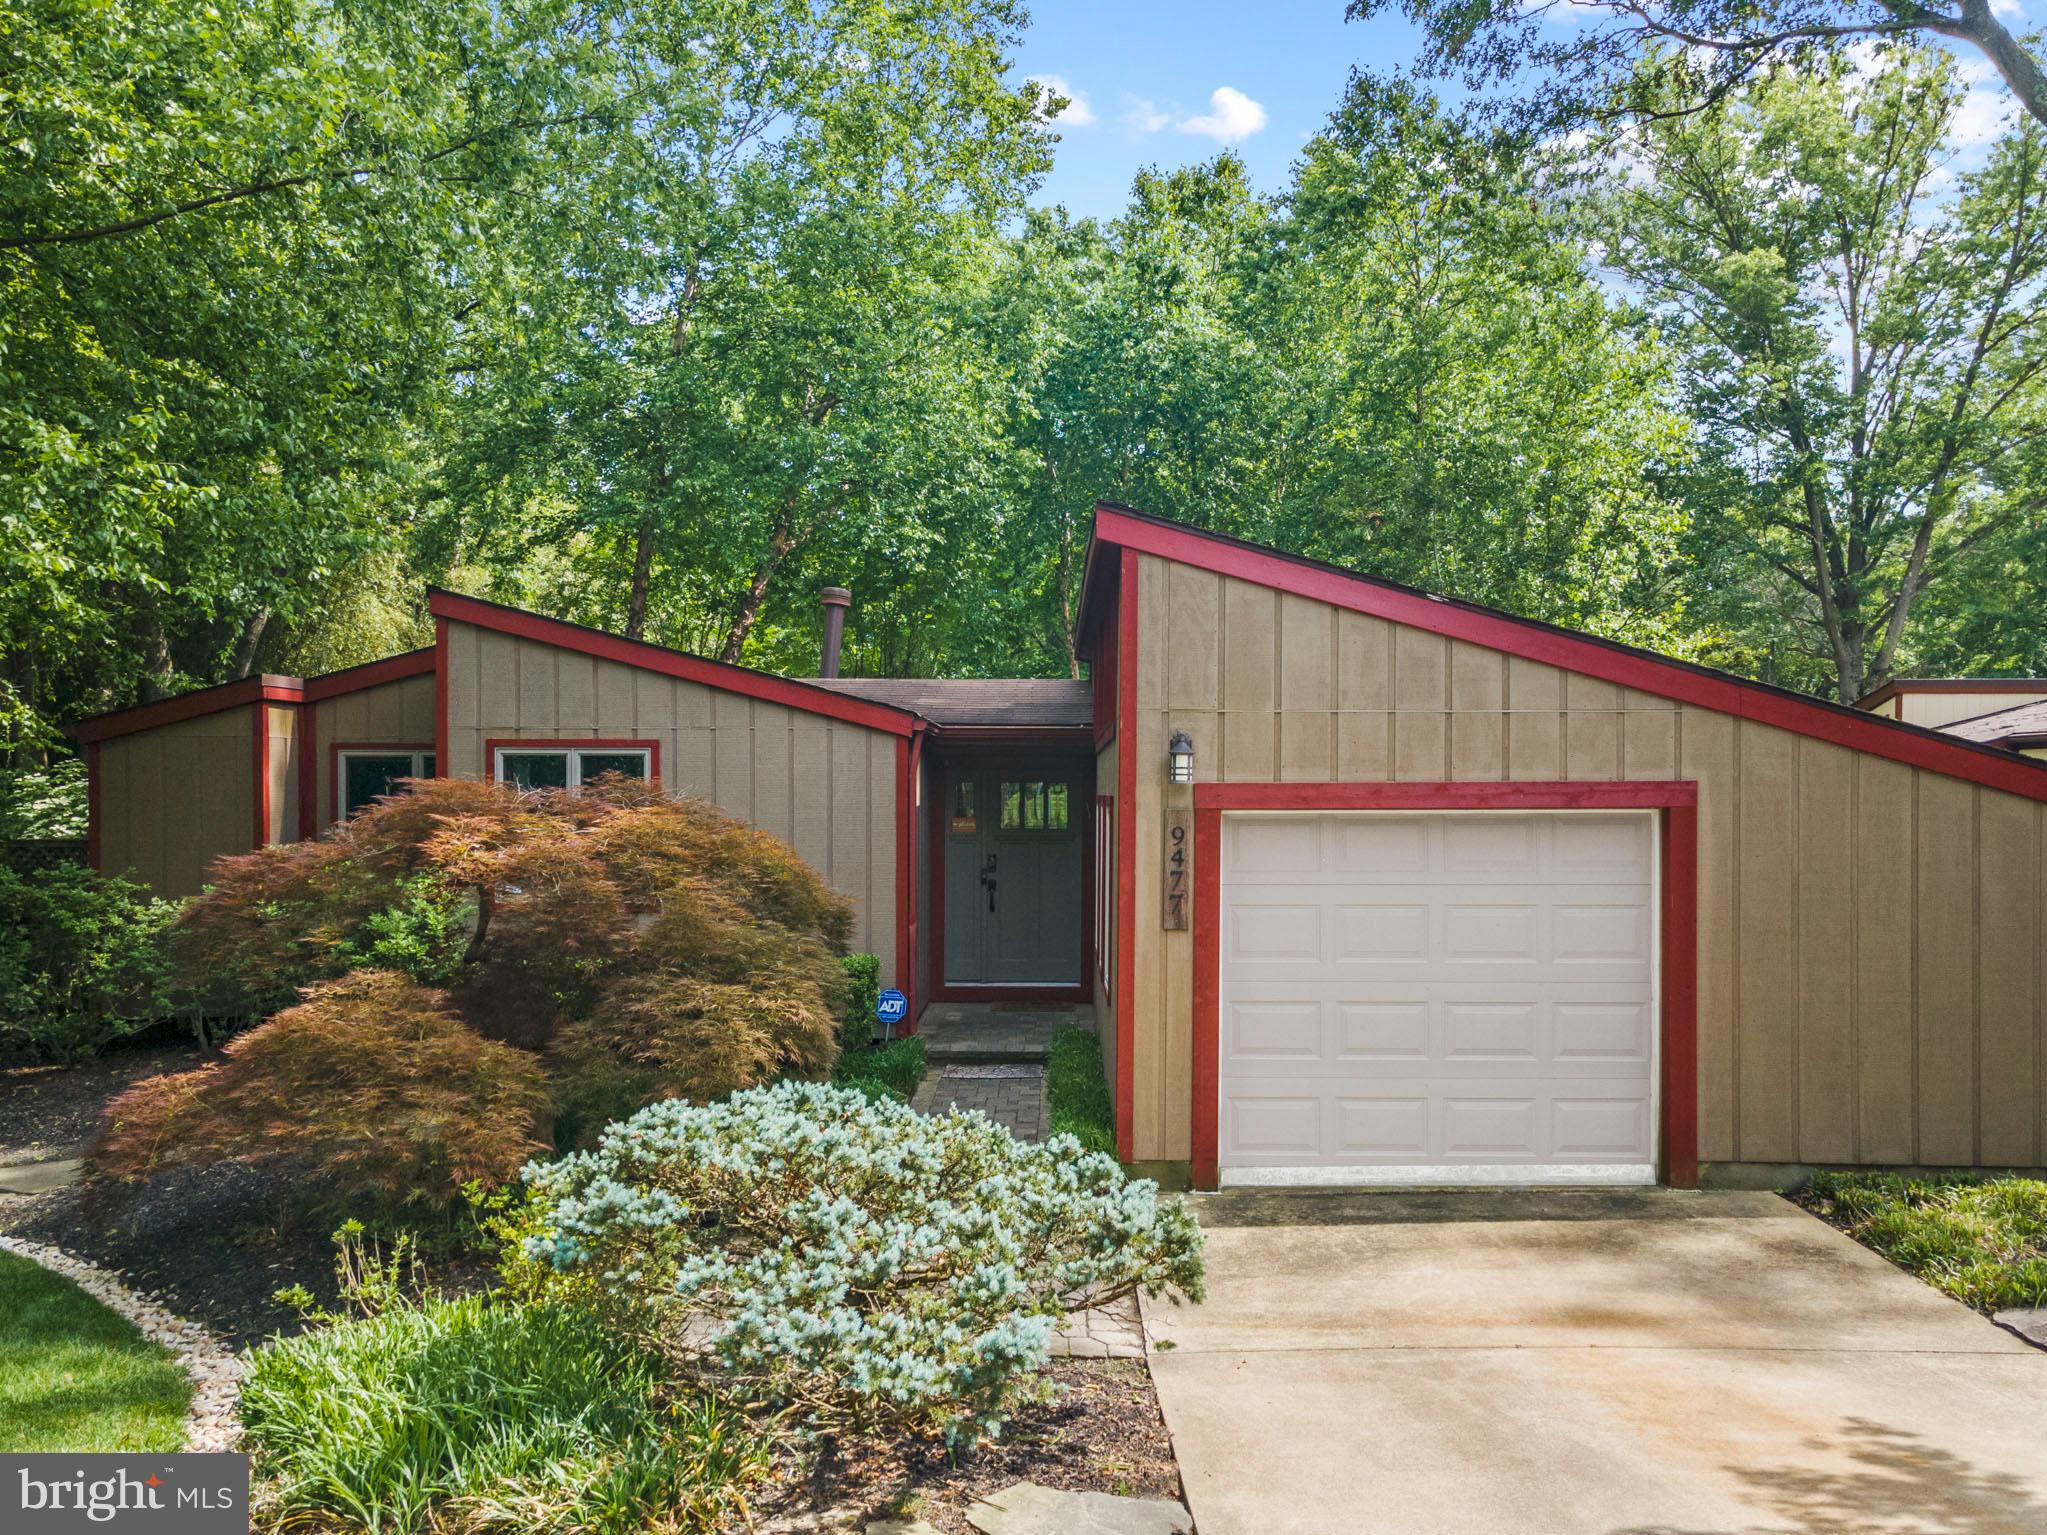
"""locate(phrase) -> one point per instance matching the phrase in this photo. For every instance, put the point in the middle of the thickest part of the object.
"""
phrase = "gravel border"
(216, 1373)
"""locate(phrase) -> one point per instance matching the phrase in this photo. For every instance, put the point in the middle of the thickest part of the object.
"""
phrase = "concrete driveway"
(1639, 1363)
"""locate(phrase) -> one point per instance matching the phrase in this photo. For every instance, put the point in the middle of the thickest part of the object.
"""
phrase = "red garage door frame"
(1678, 1001)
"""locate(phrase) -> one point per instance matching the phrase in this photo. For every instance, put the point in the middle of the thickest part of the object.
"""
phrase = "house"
(1944, 701)
(1364, 885)
(2021, 728)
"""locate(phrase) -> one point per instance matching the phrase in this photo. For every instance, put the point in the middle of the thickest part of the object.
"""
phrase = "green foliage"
(479, 1414)
(423, 933)
(44, 804)
(871, 1267)
(888, 1071)
(1979, 1238)
(863, 995)
(1856, 327)
(81, 960)
(75, 1377)
(1077, 1091)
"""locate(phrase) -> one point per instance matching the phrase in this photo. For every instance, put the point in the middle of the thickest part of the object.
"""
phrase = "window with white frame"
(568, 767)
(364, 775)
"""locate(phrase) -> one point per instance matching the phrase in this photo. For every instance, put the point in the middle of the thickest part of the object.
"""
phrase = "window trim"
(495, 748)
(339, 753)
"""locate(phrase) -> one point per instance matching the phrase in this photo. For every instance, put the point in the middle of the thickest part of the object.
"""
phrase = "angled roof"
(2021, 722)
(1118, 527)
(1041, 703)
(791, 692)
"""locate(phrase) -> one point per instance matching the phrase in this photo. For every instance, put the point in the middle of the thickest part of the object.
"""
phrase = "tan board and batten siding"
(1870, 934)
(397, 713)
(172, 798)
(825, 786)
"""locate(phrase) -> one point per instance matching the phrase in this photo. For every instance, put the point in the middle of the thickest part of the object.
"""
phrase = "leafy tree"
(1630, 57)
(1475, 414)
(1860, 345)
(741, 350)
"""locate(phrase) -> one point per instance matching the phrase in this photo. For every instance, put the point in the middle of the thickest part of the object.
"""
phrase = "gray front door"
(1012, 875)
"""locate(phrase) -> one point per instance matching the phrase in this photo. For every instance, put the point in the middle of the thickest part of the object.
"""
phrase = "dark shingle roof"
(1034, 701)
(2026, 719)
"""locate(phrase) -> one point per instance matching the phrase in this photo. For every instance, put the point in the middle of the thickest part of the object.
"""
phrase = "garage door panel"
(1381, 1128)
(1437, 998)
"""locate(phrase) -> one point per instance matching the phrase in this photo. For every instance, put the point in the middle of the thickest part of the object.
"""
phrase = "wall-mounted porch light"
(1180, 758)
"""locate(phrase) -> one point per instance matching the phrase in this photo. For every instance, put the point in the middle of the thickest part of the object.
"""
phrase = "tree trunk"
(643, 575)
(252, 636)
(157, 667)
(756, 593)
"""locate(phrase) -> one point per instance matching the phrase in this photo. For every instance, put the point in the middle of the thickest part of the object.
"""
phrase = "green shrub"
(863, 995)
(891, 1071)
(81, 960)
(1981, 1239)
(1077, 1091)
(867, 1265)
(44, 804)
(479, 1414)
(423, 933)
(371, 1090)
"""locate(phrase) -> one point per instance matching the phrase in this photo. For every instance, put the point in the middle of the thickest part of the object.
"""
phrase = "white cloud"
(1144, 116)
(1232, 116)
(1984, 117)
(1076, 113)
(2006, 9)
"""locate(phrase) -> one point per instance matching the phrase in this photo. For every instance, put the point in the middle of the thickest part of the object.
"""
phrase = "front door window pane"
(1036, 806)
(534, 770)
(1055, 807)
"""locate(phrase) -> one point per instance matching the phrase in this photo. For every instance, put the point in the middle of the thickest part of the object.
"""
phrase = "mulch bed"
(1102, 1434)
(209, 1243)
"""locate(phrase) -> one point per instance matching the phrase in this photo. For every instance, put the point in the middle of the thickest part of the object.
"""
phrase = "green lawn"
(1982, 1240)
(892, 1070)
(1077, 1093)
(74, 1376)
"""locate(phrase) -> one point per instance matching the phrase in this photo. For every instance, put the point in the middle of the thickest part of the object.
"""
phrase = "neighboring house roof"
(2022, 724)
(1118, 528)
(1898, 685)
(1033, 702)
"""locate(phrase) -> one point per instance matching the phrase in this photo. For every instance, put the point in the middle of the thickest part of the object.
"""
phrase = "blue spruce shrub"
(874, 1268)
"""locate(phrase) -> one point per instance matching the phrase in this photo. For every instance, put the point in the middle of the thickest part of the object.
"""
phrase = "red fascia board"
(1643, 670)
(352, 679)
(455, 608)
(269, 688)
(1520, 794)
(1125, 641)
(1677, 800)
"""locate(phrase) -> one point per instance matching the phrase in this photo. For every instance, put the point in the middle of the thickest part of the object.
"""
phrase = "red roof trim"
(451, 606)
(1642, 670)
(352, 679)
(269, 688)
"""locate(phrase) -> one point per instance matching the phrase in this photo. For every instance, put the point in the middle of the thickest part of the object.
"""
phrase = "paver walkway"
(1585, 1363)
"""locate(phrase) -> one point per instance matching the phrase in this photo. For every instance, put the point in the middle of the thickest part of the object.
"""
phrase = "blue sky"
(1147, 74)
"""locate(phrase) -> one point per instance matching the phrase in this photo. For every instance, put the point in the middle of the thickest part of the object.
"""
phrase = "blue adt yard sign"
(890, 1008)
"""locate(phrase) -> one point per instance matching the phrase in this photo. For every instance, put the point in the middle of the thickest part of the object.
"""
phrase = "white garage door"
(1437, 998)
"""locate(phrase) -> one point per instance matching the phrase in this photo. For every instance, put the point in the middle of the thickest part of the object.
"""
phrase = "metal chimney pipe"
(836, 600)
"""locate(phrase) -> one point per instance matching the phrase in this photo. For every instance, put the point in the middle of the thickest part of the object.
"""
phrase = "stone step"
(940, 1051)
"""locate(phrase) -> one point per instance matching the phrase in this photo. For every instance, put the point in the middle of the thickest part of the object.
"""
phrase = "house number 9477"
(1179, 869)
